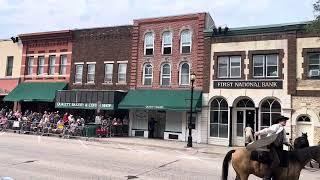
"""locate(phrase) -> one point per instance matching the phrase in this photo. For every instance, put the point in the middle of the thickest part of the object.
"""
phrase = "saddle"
(264, 157)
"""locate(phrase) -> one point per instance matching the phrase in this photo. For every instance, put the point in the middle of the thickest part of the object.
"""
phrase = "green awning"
(175, 100)
(35, 91)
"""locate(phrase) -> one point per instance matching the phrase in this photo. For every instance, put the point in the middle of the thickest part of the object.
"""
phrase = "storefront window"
(186, 39)
(148, 43)
(229, 67)
(219, 118)
(29, 65)
(165, 75)
(265, 66)
(91, 73)
(270, 109)
(52, 64)
(122, 73)
(147, 75)
(40, 65)
(184, 74)
(63, 64)
(314, 65)
(78, 74)
(108, 71)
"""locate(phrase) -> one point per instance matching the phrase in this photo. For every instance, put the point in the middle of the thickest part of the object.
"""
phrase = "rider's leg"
(275, 163)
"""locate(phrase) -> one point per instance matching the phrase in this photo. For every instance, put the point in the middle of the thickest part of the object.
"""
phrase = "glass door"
(240, 123)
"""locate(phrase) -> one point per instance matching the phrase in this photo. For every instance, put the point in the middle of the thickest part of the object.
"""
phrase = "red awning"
(7, 85)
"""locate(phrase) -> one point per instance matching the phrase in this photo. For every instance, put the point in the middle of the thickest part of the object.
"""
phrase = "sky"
(26, 16)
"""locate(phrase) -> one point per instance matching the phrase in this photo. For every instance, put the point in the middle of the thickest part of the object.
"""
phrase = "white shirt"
(274, 129)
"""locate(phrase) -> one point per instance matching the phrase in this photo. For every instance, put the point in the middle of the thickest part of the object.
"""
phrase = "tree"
(315, 25)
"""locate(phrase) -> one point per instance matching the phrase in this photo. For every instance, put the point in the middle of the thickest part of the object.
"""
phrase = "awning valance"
(35, 91)
(88, 99)
(175, 100)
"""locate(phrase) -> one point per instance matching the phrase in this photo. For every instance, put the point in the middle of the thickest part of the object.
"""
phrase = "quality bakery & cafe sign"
(83, 105)
(248, 84)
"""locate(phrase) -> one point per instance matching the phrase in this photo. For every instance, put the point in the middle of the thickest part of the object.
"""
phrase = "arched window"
(165, 75)
(148, 43)
(186, 41)
(245, 103)
(147, 74)
(166, 42)
(270, 109)
(303, 118)
(219, 118)
(184, 74)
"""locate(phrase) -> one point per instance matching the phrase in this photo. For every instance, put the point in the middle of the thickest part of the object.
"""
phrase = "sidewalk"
(166, 144)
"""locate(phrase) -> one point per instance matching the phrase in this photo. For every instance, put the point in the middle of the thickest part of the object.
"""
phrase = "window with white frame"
(30, 65)
(108, 72)
(148, 43)
(265, 65)
(229, 66)
(184, 74)
(186, 41)
(147, 75)
(122, 73)
(314, 65)
(40, 65)
(52, 64)
(270, 110)
(91, 73)
(63, 64)
(165, 75)
(78, 74)
(219, 118)
(167, 42)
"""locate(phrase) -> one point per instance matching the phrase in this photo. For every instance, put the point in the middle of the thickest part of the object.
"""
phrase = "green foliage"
(315, 25)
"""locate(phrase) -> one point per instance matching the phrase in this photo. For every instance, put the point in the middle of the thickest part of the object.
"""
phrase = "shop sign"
(247, 84)
(154, 107)
(83, 105)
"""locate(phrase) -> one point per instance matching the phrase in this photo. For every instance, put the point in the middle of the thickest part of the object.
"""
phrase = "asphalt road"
(24, 157)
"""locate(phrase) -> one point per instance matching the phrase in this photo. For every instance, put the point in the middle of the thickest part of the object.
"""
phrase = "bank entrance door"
(243, 118)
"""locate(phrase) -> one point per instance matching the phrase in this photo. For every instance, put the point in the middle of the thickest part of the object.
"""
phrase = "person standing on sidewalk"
(248, 131)
(151, 126)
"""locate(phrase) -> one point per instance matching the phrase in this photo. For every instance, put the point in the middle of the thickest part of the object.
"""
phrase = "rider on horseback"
(276, 146)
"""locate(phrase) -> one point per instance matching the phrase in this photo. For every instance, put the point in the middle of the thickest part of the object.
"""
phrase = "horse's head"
(305, 135)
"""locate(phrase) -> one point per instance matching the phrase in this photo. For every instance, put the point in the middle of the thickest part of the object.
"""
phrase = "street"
(35, 157)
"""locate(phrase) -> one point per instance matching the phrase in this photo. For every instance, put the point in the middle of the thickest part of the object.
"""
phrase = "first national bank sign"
(274, 84)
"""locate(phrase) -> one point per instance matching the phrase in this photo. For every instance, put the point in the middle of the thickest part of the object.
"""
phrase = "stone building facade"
(252, 80)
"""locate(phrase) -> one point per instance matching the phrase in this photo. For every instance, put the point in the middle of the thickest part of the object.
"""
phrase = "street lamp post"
(192, 79)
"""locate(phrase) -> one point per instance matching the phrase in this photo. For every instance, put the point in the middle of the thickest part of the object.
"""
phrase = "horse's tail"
(225, 165)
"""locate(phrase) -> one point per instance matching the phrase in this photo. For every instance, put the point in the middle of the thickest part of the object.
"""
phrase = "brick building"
(45, 68)
(100, 73)
(258, 73)
(165, 51)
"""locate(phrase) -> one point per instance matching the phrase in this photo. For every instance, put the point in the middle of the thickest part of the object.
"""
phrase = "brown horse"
(243, 166)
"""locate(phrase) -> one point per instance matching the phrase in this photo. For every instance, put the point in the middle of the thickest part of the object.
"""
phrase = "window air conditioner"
(314, 72)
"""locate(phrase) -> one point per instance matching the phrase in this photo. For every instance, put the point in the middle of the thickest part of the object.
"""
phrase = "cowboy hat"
(280, 118)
